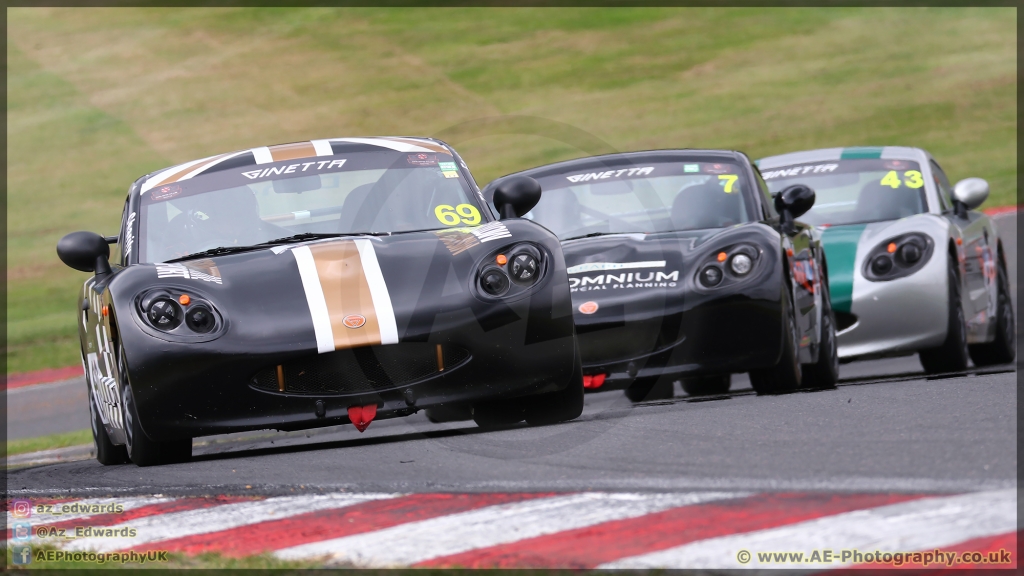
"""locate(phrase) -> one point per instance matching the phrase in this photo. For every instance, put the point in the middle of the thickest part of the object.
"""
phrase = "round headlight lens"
(741, 264)
(164, 313)
(494, 282)
(200, 319)
(523, 267)
(881, 265)
(910, 253)
(710, 276)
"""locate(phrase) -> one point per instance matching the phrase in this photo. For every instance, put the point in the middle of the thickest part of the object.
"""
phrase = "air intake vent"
(360, 370)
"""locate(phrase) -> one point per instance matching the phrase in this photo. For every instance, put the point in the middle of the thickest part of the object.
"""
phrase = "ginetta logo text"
(291, 168)
(610, 174)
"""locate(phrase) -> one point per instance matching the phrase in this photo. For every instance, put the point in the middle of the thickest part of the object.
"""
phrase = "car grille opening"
(360, 370)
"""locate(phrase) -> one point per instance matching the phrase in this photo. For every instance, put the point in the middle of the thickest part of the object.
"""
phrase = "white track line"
(38, 518)
(418, 541)
(217, 518)
(909, 526)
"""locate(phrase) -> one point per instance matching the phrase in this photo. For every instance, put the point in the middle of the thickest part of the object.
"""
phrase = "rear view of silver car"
(913, 267)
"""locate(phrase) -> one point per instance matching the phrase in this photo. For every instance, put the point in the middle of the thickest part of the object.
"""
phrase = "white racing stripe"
(419, 541)
(38, 518)
(392, 144)
(206, 167)
(223, 517)
(262, 155)
(378, 292)
(322, 147)
(315, 299)
(149, 184)
(906, 527)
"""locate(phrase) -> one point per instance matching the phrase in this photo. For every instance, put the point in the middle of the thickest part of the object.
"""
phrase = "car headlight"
(741, 264)
(178, 313)
(898, 257)
(731, 264)
(511, 271)
(164, 313)
(494, 281)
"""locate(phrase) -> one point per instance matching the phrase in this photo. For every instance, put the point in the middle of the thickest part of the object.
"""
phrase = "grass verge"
(62, 440)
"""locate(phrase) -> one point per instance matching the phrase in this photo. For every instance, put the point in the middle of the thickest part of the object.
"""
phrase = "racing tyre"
(1003, 349)
(824, 374)
(707, 385)
(141, 449)
(787, 375)
(561, 406)
(650, 388)
(952, 355)
(107, 453)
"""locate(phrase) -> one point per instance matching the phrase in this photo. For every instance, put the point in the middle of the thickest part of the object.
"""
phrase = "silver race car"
(912, 266)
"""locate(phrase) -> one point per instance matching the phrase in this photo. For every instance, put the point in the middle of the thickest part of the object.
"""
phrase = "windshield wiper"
(593, 234)
(219, 251)
(286, 240)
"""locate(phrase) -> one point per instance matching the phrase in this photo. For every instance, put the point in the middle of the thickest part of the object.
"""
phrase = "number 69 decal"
(461, 214)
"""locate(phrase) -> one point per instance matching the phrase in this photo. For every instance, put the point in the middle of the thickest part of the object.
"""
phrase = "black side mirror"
(85, 251)
(516, 196)
(792, 202)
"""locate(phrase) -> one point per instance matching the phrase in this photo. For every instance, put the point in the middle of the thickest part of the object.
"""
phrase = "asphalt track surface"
(886, 428)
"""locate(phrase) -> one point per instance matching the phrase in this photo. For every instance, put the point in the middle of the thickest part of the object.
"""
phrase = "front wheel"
(141, 449)
(787, 375)
(952, 355)
(1003, 349)
(107, 453)
(561, 406)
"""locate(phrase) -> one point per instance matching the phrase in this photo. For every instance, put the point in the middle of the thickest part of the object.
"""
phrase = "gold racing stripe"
(346, 293)
(191, 168)
(292, 151)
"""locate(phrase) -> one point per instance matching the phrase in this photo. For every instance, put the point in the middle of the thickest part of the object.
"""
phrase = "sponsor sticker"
(588, 307)
(166, 192)
(354, 321)
(181, 271)
(458, 240)
(422, 159)
(691, 168)
(718, 168)
(596, 266)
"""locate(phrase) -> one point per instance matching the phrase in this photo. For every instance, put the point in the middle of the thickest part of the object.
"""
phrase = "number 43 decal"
(911, 178)
(463, 213)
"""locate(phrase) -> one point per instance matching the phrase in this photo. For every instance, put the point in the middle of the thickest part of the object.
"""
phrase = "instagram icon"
(21, 508)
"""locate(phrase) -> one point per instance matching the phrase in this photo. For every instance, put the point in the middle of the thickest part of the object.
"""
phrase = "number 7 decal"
(730, 179)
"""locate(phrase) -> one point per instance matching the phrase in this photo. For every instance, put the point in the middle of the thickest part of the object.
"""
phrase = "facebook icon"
(21, 554)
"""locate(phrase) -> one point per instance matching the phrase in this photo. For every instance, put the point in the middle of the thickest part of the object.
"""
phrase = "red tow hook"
(361, 416)
(593, 382)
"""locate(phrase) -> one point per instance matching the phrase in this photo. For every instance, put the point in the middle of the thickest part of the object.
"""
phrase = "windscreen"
(647, 197)
(855, 191)
(363, 192)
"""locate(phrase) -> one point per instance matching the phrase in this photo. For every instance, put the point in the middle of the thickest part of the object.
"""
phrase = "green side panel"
(861, 153)
(840, 243)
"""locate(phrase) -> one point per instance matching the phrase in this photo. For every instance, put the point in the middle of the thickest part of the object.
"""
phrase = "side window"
(769, 202)
(942, 183)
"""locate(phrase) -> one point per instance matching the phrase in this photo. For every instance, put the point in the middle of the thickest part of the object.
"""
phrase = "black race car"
(319, 283)
(683, 266)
